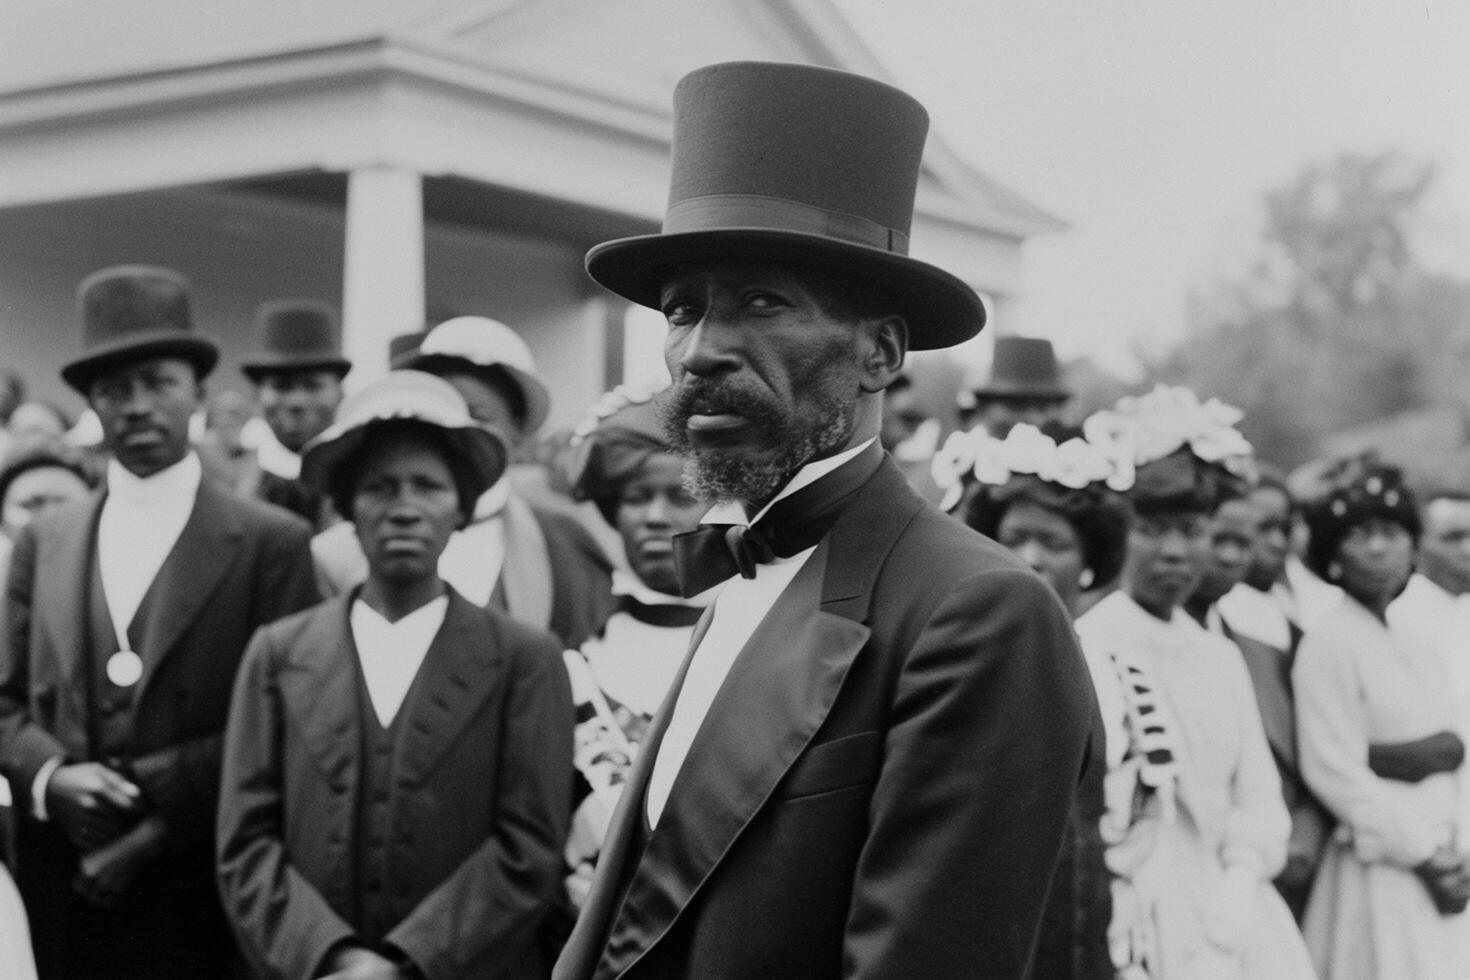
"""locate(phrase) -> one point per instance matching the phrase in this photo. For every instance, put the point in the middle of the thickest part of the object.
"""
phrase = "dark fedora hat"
(296, 335)
(133, 312)
(1024, 367)
(795, 164)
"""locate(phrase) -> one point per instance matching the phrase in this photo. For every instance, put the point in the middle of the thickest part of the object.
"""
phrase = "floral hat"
(1354, 490)
(1076, 463)
(611, 444)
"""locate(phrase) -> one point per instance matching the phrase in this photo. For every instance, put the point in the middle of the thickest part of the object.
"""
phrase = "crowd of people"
(390, 685)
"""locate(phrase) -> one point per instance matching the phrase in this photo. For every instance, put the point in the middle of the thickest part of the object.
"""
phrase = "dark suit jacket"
(237, 564)
(882, 785)
(480, 806)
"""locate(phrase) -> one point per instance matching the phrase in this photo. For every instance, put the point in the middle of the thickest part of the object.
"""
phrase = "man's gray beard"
(721, 477)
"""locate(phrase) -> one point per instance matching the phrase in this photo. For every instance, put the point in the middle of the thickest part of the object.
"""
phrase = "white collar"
(732, 512)
(493, 501)
(173, 484)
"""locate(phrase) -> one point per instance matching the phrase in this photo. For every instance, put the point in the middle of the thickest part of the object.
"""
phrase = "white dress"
(1359, 683)
(1216, 913)
(16, 961)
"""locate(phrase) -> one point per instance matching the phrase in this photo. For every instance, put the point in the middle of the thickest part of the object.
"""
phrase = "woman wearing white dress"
(1375, 723)
(622, 463)
(1209, 872)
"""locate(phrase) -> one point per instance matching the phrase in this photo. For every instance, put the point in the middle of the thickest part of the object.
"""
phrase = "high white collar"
(176, 484)
(732, 512)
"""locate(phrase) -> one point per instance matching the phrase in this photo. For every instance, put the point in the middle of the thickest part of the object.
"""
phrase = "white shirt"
(142, 518)
(1258, 615)
(472, 560)
(738, 609)
(392, 653)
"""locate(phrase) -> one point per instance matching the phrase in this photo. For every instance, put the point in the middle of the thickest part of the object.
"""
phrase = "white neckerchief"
(392, 653)
(738, 609)
(141, 521)
(273, 457)
(472, 559)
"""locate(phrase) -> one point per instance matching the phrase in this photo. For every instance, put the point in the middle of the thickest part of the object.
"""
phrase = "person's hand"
(103, 875)
(92, 804)
(1447, 878)
(358, 963)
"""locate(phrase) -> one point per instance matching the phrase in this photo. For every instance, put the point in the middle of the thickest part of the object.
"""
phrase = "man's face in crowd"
(299, 405)
(1001, 415)
(144, 407)
(764, 379)
(1444, 547)
(1273, 540)
(1228, 547)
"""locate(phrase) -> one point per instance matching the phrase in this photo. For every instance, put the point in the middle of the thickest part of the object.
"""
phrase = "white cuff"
(38, 787)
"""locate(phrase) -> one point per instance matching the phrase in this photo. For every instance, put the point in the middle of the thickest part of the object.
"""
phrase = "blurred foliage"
(1335, 326)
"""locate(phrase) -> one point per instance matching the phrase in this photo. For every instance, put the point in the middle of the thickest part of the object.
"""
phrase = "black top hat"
(795, 164)
(1024, 367)
(132, 312)
(296, 335)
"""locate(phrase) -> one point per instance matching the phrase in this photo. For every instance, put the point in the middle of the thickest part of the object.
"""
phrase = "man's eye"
(681, 314)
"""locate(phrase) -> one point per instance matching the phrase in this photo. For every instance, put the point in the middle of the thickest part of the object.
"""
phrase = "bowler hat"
(411, 395)
(480, 342)
(133, 312)
(801, 165)
(296, 335)
(1024, 367)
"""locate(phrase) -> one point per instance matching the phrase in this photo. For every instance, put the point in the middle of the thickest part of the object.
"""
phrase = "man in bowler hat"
(1025, 385)
(297, 372)
(866, 764)
(125, 617)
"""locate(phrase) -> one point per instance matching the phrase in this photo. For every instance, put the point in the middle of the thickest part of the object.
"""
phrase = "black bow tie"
(712, 553)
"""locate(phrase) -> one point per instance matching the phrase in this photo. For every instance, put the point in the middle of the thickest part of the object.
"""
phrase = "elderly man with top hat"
(540, 565)
(867, 763)
(297, 372)
(1025, 385)
(124, 619)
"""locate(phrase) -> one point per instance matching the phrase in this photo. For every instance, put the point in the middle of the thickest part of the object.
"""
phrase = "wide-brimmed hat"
(482, 342)
(296, 335)
(133, 312)
(1024, 367)
(411, 395)
(796, 164)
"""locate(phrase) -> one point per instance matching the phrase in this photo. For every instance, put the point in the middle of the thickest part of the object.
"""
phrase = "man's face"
(144, 407)
(1228, 546)
(299, 405)
(1444, 548)
(1273, 541)
(1001, 415)
(763, 379)
(404, 507)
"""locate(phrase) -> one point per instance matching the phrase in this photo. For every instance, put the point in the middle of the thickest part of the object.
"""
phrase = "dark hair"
(1100, 517)
(41, 456)
(1357, 489)
(343, 478)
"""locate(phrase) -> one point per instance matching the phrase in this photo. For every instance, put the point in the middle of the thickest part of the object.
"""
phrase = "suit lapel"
(204, 552)
(455, 677)
(319, 687)
(61, 599)
(775, 698)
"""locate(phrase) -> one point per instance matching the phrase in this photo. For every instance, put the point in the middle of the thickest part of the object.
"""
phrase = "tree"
(1335, 324)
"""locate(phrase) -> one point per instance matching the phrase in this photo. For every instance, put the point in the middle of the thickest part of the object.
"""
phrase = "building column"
(383, 278)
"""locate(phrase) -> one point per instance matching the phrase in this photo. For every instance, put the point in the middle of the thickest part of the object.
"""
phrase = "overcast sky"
(1154, 128)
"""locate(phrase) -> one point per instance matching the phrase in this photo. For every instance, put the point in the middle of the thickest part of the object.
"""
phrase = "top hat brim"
(259, 366)
(940, 309)
(199, 351)
(1005, 389)
(538, 399)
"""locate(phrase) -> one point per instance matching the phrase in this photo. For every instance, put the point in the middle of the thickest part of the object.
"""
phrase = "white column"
(383, 278)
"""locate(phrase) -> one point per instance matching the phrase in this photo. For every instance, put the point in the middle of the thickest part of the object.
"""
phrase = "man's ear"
(883, 356)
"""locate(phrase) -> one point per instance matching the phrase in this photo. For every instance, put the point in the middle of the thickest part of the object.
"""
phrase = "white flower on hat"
(1027, 451)
(1169, 417)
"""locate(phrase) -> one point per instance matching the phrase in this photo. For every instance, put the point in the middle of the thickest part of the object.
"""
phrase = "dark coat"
(479, 808)
(237, 565)
(881, 787)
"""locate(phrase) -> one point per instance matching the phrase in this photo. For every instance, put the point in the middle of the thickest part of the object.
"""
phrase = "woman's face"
(653, 508)
(405, 506)
(1164, 559)
(1376, 558)
(37, 491)
(1046, 541)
